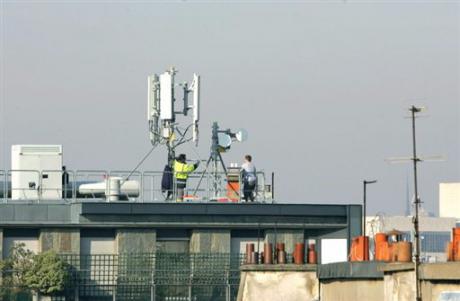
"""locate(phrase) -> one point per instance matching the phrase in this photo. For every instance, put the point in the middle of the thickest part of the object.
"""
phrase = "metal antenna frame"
(415, 160)
(171, 124)
(417, 202)
(216, 158)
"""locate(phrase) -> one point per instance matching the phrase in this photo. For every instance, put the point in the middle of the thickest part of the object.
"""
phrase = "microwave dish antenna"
(221, 141)
(241, 135)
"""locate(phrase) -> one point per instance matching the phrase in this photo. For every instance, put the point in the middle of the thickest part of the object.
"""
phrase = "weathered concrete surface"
(440, 271)
(60, 240)
(344, 281)
(399, 286)
(133, 240)
(210, 240)
(278, 286)
(435, 278)
(352, 290)
(289, 236)
(350, 270)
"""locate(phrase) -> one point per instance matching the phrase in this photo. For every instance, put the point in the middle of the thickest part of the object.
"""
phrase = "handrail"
(215, 186)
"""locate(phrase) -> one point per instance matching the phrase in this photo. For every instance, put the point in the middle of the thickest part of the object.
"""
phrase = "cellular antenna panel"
(166, 96)
(196, 106)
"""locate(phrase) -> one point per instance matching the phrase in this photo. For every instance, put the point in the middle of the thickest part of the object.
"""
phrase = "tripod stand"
(216, 159)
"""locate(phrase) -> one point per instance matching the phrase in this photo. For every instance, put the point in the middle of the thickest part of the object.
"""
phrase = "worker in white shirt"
(248, 171)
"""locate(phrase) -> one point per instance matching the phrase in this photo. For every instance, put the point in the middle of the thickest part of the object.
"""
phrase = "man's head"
(181, 158)
(248, 158)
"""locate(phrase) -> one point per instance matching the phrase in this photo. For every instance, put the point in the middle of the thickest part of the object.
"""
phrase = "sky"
(322, 87)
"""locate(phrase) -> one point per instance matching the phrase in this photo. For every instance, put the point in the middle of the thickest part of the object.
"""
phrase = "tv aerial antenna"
(221, 141)
(161, 112)
(415, 160)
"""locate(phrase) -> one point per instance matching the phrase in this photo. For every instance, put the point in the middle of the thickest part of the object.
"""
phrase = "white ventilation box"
(36, 172)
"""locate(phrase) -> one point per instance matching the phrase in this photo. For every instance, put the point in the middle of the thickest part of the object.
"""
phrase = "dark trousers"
(248, 191)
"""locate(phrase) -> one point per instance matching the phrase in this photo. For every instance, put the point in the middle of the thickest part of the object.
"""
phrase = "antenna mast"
(163, 126)
(415, 160)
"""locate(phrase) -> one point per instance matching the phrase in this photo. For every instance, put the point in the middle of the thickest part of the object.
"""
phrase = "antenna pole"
(364, 212)
(415, 160)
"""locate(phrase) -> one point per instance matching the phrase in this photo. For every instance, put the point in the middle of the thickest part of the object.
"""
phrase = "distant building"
(435, 232)
(449, 200)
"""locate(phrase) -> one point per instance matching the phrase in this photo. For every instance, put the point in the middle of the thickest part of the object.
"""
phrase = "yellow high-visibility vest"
(181, 170)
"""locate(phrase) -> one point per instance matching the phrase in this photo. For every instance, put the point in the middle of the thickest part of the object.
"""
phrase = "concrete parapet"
(133, 240)
(352, 290)
(435, 278)
(278, 282)
(210, 240)
(344, 281)
(60, 240)
(278, 268)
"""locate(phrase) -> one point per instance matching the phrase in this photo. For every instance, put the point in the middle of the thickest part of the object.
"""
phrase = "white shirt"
(249, 171)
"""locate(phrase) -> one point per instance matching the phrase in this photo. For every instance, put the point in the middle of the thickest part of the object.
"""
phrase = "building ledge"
(278, 268)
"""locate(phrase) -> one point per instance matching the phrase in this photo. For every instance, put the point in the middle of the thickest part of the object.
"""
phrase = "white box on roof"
(36, 172)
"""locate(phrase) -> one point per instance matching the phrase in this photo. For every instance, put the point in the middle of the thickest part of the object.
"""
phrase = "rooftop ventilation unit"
(36, 172)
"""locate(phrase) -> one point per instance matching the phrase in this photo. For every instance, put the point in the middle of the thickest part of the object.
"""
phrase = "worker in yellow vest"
(181, 172)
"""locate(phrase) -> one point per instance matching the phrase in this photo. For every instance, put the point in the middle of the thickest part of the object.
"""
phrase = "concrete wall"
(289, 237)
(435, 279)
(400, 286)
(131, 240)
(278, 285)
(210, 240)
(60, 240)
(352, 290)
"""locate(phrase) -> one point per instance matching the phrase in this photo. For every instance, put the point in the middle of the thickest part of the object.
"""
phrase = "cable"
(140, 163)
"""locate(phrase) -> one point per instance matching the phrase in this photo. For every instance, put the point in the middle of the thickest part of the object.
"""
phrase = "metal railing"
(58, 185)
(160, 276)
(151, 277)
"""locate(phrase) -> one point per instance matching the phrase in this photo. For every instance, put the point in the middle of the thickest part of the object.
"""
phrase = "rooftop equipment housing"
(36, 172)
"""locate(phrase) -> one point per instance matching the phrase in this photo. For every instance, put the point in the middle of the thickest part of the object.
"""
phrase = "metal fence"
(157, 277)
(202, 186)
(147, 277)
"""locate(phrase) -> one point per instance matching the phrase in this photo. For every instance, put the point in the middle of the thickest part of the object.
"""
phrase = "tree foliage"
(48, 274)
(45, 273)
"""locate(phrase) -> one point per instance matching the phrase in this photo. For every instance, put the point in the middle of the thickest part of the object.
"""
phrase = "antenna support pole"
(415, 160)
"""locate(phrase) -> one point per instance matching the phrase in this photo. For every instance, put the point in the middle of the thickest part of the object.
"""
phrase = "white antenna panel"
(153, 109)
(196, 106)
(166, 96)
(196, 97)
(153, 99)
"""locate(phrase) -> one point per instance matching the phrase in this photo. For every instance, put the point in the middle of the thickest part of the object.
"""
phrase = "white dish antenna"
(224, 139)
(241, 135)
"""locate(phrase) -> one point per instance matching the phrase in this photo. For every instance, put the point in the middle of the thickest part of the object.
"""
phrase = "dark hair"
(248, 157)
(181, 158)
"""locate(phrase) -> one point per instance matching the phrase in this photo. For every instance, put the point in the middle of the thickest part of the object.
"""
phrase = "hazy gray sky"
(321, 87)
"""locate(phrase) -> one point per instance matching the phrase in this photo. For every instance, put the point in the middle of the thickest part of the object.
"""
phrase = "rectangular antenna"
(153, 107)
(166, 96)
(196, 106)
(153, 104)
